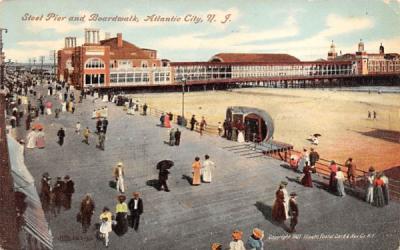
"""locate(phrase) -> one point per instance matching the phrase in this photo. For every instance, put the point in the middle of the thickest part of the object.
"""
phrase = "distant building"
(369, 63)
(103, 63)
(114, 62)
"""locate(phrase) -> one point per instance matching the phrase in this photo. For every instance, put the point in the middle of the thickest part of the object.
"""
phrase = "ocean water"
(372, 89)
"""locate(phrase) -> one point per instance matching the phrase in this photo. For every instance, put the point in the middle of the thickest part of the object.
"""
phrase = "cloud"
(389, 1)
(61, 27)
(308, 48)
(36, 48)
(21, 56)
(337, 25)
(191, 41)
(37, 44)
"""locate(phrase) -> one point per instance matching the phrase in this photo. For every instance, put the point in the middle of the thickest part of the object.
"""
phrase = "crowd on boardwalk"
(56, 196)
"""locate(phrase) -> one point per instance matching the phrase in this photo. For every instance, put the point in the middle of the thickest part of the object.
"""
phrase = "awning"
(34, 218)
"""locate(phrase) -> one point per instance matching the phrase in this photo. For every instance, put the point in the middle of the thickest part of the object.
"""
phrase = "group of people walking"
(235, 131)
(54, 196)
(174, 137)
(202, 172)
(202, 124)
(254, 241)
(377, 189)
(35, 138)
(118, 223)
(285, 207)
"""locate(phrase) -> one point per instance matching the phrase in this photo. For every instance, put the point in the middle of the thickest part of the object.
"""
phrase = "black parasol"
(165, 164)
(317, 135)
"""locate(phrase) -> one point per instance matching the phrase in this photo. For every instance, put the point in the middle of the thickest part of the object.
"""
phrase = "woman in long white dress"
(64, 107)
(31, 139)
(49, 105)
(106, 224)
(370, 188)
(240, 138)
(208, 169)
(340, 182)
(40, 141)
(131, 110)
(304, 158)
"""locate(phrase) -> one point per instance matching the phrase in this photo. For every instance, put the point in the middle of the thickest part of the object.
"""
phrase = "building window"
(144, 64)
(129, 77)
(94, 79)
(145, 77)
(122, 77)
(138, 77)
(94, 63)
(113, 78)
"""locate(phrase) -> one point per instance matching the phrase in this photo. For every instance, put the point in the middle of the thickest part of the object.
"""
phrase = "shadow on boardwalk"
(267, 213)
(188, 178)
(154, 183)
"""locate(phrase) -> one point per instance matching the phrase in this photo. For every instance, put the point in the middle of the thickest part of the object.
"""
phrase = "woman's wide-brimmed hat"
(216, 246)
(237, 235)
(121, 197)
(258, 233)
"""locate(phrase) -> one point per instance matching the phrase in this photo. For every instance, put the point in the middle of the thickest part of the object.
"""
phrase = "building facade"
(114, 62)
(370, 63)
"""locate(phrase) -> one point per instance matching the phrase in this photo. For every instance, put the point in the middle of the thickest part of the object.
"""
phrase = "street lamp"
(183, 83)
(2, 56)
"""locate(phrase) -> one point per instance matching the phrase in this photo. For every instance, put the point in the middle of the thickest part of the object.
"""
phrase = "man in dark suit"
(99, 125)
(105, 125)
(68, 190)
(136, 207)
(61, 135)
(293, 212)
(162, 179)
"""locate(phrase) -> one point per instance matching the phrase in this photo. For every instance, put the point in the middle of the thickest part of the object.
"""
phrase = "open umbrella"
(165, 164)
(317, 135)
(38, 126)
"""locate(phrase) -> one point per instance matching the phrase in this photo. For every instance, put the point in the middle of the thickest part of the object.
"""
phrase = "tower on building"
(381, 49)
(92, 36)
(361, 46)
(332, 54)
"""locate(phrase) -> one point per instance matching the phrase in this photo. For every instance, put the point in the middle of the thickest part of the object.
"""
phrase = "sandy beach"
(340, 116)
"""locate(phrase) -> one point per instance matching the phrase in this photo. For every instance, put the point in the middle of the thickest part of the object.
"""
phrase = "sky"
(302, 28)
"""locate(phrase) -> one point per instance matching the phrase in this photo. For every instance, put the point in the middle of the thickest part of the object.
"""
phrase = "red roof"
(250, 57)
(127, 51)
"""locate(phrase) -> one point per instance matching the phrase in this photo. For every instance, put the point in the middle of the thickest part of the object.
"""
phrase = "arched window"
(68, 64)
(144, 64)
(94, 63)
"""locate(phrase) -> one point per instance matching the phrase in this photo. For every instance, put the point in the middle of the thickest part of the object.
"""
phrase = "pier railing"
(322, 166)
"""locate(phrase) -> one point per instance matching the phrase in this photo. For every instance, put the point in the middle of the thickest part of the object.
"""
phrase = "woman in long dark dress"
(379, 200)
(385, 188)
(278, 209)
(332, 178)
(121, 211)
(86, 211)
(307, 181)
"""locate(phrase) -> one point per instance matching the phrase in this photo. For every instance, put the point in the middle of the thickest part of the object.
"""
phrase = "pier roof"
(254, 57)
(127, 51)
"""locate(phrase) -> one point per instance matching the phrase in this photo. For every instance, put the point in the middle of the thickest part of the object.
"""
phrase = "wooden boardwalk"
(240, 196)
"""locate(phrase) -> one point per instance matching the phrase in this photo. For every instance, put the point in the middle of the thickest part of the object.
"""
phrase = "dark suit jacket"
(293, 209)
(163, 175)
(131, 206)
